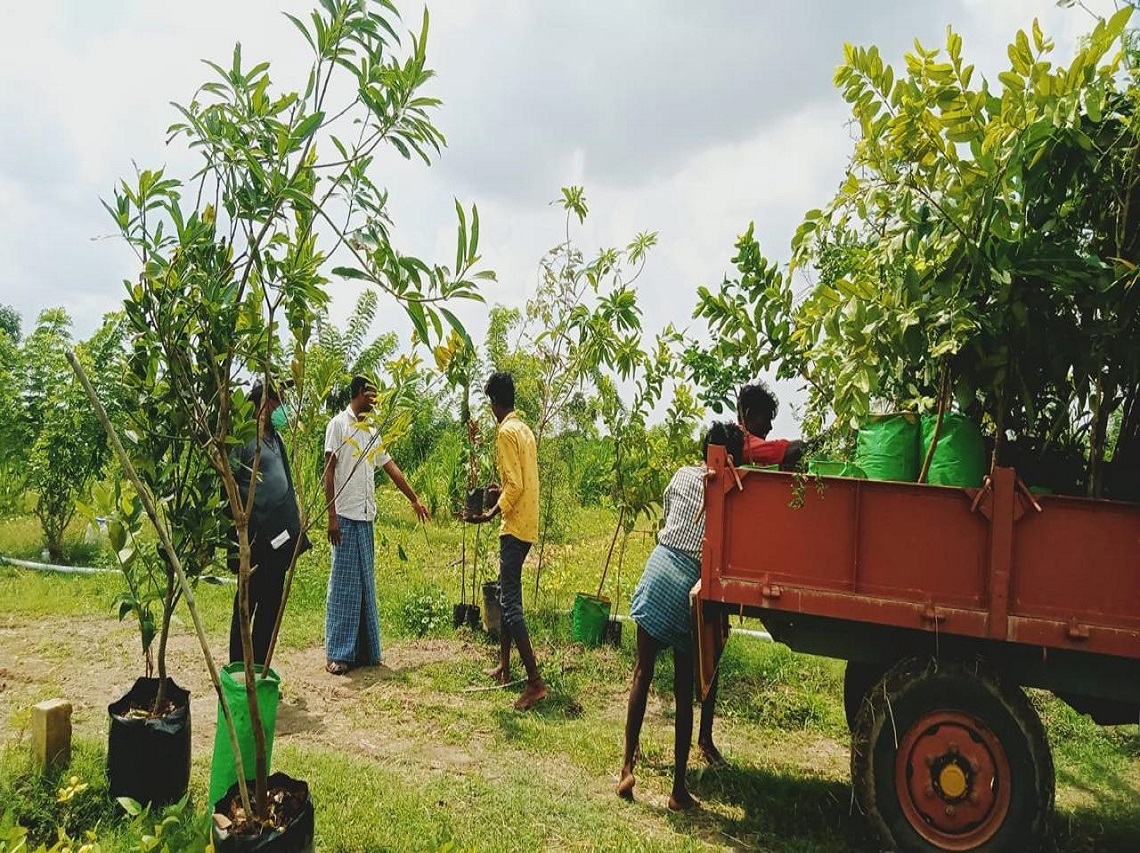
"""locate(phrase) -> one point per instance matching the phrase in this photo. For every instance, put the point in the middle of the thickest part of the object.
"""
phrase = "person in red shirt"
(756, 407)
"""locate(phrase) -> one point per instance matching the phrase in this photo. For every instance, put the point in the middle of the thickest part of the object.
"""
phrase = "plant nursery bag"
(295, 837)
(887, 447)
(223, 773)
(960, 455)
(148, 758)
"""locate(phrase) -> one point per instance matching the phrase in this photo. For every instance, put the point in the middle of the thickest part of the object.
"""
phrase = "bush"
(426, 611)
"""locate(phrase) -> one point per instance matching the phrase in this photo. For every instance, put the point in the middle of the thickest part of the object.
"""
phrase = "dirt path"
(90, 662)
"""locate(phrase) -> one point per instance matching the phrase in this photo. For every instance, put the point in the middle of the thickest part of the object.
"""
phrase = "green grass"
(423, 762)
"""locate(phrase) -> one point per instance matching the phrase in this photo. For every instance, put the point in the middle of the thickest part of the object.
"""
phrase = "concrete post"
(51, 733)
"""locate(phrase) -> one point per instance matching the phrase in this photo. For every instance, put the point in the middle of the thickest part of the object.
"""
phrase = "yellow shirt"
(517, 457)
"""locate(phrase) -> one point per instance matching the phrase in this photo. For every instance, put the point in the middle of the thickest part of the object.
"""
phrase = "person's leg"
(261, 597)
(714, 622)
(368, 647)
(501, 673)
(266, 587)
(535, 690)
(705, 743)
(647, 649)
(512, 553)
(680, 798)
(342, 610)
(235, 632)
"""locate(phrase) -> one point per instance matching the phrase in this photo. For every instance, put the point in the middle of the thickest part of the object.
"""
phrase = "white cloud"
(687, 119)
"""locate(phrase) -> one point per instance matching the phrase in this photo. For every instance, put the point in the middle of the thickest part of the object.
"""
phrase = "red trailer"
(945, 602)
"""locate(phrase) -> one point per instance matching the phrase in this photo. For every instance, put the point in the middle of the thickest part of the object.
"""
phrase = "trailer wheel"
(949, 757)
(858, 678)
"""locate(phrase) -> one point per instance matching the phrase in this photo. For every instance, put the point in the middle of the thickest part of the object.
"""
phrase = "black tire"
(858, 678)
(949, 756)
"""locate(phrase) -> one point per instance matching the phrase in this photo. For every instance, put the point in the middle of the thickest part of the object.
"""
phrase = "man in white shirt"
(352, 454)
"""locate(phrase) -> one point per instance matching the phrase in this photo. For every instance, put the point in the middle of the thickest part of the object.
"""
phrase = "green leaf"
(308, 126)
(131, 807)
(461, 239)
(351, 272)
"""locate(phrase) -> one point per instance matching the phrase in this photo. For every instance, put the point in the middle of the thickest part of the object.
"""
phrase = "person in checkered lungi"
(660, 608)
(352, 453)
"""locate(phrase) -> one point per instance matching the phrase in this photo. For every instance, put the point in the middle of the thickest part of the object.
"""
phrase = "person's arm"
(794, 453)
(401, 482)
(330, 497)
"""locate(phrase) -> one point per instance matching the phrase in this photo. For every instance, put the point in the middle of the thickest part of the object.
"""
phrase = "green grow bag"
(835, 468)
(588, 619)
(960, 456)
(223, 773)
(887, 447)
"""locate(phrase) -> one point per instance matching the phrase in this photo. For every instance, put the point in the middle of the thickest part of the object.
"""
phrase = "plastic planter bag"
(887, 447)
(960, 456)
(223, 773)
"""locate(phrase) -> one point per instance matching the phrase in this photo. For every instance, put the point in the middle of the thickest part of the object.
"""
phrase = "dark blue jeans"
(512, 553)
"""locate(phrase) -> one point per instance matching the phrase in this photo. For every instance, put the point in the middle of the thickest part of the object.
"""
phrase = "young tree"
(12, 444)
(235, 262)
(582, 318)
(981, 250)
(67, 445)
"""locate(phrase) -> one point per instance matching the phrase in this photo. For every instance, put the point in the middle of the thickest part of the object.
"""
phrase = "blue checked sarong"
(352, 622)
(660, 603)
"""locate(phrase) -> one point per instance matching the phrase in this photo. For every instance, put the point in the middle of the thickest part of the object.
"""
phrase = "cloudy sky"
(685, 118)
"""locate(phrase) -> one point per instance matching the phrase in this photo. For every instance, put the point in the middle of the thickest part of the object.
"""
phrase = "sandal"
(335, 667)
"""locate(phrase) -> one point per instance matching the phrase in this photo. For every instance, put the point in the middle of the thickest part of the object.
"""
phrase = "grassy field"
(417, 755)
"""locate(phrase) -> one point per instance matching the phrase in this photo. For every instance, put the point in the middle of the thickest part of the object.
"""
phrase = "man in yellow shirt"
(517, 458)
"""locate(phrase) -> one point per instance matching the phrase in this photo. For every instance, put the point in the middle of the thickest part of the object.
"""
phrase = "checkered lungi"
(660, 603)
(352, 622)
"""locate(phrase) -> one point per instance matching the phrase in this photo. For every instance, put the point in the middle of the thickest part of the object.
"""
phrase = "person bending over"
(660, 608)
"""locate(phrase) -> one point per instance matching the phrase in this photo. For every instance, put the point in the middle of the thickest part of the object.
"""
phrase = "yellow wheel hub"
(952, 781)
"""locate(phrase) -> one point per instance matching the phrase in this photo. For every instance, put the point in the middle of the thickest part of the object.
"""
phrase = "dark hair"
(729, 436)
(500, 388)
(358, 385)
(757, 399)
(258, 391)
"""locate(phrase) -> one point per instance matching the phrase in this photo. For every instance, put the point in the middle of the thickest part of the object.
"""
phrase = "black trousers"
(266, 586)
(512, 554)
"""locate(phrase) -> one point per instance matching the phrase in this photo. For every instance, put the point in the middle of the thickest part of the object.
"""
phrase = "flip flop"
(335, 667)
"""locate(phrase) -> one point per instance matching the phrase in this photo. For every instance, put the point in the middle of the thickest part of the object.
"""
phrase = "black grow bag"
(148, 759)
(296, 837)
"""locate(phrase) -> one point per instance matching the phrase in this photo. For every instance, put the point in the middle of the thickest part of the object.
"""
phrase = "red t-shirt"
(760, 451)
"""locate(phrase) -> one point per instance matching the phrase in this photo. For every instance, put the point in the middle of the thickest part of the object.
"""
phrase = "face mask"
(279, 418)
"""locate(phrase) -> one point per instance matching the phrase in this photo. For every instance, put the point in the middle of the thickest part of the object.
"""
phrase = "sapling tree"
(582, 318)
(67, 447)
(644, 457)
(12, 446)
(981, 251)
(235, 261)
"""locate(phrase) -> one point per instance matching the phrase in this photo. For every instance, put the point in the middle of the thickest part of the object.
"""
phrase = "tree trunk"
(943, 389)
(610, 552)
(1097, 430)
(163, 634)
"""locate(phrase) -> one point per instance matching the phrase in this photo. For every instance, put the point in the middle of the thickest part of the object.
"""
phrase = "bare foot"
(498, 674)
(625, 785)
(683, 802)
(534, 693)
(711, 754)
